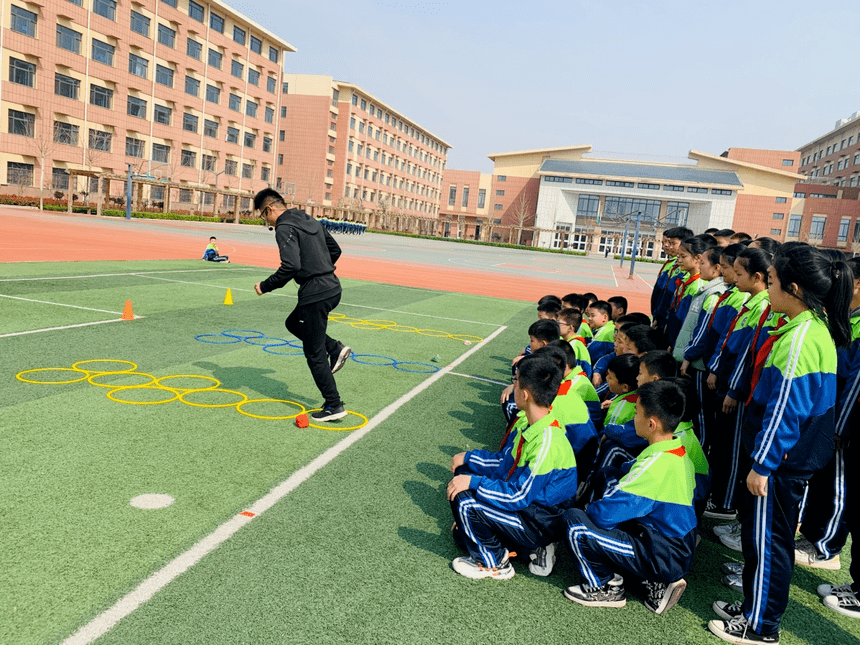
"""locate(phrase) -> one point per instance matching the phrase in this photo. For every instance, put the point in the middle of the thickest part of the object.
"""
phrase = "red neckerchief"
(722, 297)
(735, 320)
(508, 431)
(761, 358)
(664, 265)
(564, 388)
(520, 451)
(679, 292)
(678, 452)
(762, 319)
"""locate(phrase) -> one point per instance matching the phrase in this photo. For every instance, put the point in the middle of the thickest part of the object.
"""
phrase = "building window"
(794, 225)
(842, 236)
(280, 160)
(133, 148)
(677, 189)
(452, 196)
(68, 39)
(270, 84)
(649, 186)
(676, 213)
(283, 111)
(170, 3)
(790, 162)
(267, 144)
(619, 184)
(189, 122)
(192, 86)
(247, 171)
(216, 22)
(23, 21)
(816, 231)
(213, 94)
(250, 139)
(465, 201)
(193, 49)
(720, 191)
(189, 159)
(209, 162)
(285, 88)
(780, 200)
(160, 153)
(136, 107)
(250, 108)
(102, 52)
(502, 178)
(19, 174)
(236, 68)
(500, 193)
(21, 72)
(253, 76)
(100, 140)
(593, 182)
(232, 135)
(195, 11)
(256, 45)
(273, 54)
(497, 207)
(101, 96)
(185, 195)
(239, 35)
(230, 167)
(161, 114)
(105, 8)
(137, 65)
(166, 36)
(66, 133)
(482, 197)
(776, 231)
(270, 114)
(235, 102)
(164, 75)
(210, 128)
(140, 23)
(215, 58)
(60, 179)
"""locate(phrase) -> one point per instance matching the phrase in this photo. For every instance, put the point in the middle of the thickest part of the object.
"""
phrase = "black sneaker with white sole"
(846, 603)
(718, 513)
(738, 630)
(329, 413)
(729, 611)
(609, 595)
(338, 359)
(662, 597)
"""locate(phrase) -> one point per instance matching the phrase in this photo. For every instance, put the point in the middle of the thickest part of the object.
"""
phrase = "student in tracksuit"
(618, 440)
(576, 381)
(824, 528)
(541, 332)
(667, 279)
(514, 499)
(569, 320)
(750, 269)
(690, 256)
(787, 431)
(644, 525)
(598, 314)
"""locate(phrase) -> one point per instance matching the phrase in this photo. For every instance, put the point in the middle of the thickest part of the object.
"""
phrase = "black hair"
(618, 301)
(590, 298)
(212, 238)
(560, 351)
(575, 301)
(638, 318)
(545, 329)
(602, 305)
(549, 307)
(626, 320)
(625, 368)
(767, 244)
(854, 265)
(742, 237)
(826, 284)
(714, 254)
(708, 239)
(555, 300)
(664, 401)
(711, 231)
(659, 363)
(755, 260)
(692, 405)
(540, 376)
(834, 254)
(643, 337)
(731, 252)
(695, 245)
(724, 232)
(267, 197)
(678, 232)
(572, 317)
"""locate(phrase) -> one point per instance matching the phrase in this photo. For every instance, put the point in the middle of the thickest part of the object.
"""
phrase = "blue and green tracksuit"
(664, 289)
(602, 367)
(644, 523)
(725, 314)
(788, 435)
(581, 384)
(518, 494)
(585, 332)
(824, 520)
(680, 305)
(701, 468)
(621, 443)
(603, 342)
(574, 416)
(583, 358)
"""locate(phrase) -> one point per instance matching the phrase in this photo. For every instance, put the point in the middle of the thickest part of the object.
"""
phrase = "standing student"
(602, 327)
(787, 431)
(308, 253)
(690, 255)
(667, 278)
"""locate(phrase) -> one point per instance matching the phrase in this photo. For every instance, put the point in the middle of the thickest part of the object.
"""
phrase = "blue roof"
(670, 174)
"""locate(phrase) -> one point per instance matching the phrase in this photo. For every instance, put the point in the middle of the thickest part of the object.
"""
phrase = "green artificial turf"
(359, 553)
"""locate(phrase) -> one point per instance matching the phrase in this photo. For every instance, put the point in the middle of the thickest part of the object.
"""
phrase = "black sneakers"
(329, 413)
(738, 630)
(611, 594)
(662, 597)
(338, 359)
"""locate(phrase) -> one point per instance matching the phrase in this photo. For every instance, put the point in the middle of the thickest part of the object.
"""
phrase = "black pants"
(824, 520)
(308, 324)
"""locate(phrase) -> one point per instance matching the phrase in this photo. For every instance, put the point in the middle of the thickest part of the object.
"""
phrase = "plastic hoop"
(111, 393)
(227, 333)
(433, 369)
(335, 428)
(114, 385)
(212, 405)
(201, 337)
(159, 380)
(465, 337)
(388, 358)
(76, 366)
(259, 416)
(20, 377)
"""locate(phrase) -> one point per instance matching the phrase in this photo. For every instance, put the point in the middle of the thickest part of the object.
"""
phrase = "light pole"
(215, 197)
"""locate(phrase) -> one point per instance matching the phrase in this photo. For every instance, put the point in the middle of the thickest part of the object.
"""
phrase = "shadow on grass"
(436, 472)
(255, 378)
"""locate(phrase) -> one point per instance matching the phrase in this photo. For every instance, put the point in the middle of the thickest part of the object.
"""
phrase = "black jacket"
(308, 254)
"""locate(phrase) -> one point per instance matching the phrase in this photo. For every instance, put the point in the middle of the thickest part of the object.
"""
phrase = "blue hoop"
(387, 358)
(433, 369)
(200, 337)
(253, 331)
(266, 341)
(266, 349)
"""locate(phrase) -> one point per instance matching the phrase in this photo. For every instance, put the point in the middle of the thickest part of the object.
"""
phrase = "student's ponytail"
(827, 285)
(755, 260)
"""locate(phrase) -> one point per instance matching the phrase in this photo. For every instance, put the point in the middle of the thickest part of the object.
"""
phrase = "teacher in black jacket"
(308, 254)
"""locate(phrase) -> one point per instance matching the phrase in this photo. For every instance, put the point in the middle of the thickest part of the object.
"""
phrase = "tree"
(44, 139)
(522, 212)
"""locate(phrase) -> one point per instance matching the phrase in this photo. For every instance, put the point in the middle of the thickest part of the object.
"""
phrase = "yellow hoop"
(464, 337)
(259, 416)
(439, 333)
(113, 385)
(21, 378)
(335, 428)
(158, 382)
(111, 393)
(77, 366)
(213, 405)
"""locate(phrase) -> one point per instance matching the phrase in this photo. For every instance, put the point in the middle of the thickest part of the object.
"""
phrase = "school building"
(187, 93)
(341, 146)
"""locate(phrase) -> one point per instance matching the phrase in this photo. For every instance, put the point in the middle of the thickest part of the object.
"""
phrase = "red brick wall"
(754, 215)
(460, 179)
(769, 158)
(306, 144)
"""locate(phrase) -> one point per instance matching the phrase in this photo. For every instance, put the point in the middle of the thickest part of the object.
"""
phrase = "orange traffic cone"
(127, 313)
(228, 299)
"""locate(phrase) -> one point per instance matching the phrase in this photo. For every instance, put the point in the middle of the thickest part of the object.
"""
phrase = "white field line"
(60, 304)
(113, 275)
(36, 331)
(345, 304)
(107, 620)
(478, 378)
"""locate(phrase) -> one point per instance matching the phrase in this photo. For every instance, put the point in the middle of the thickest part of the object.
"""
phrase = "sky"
(636, 80)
